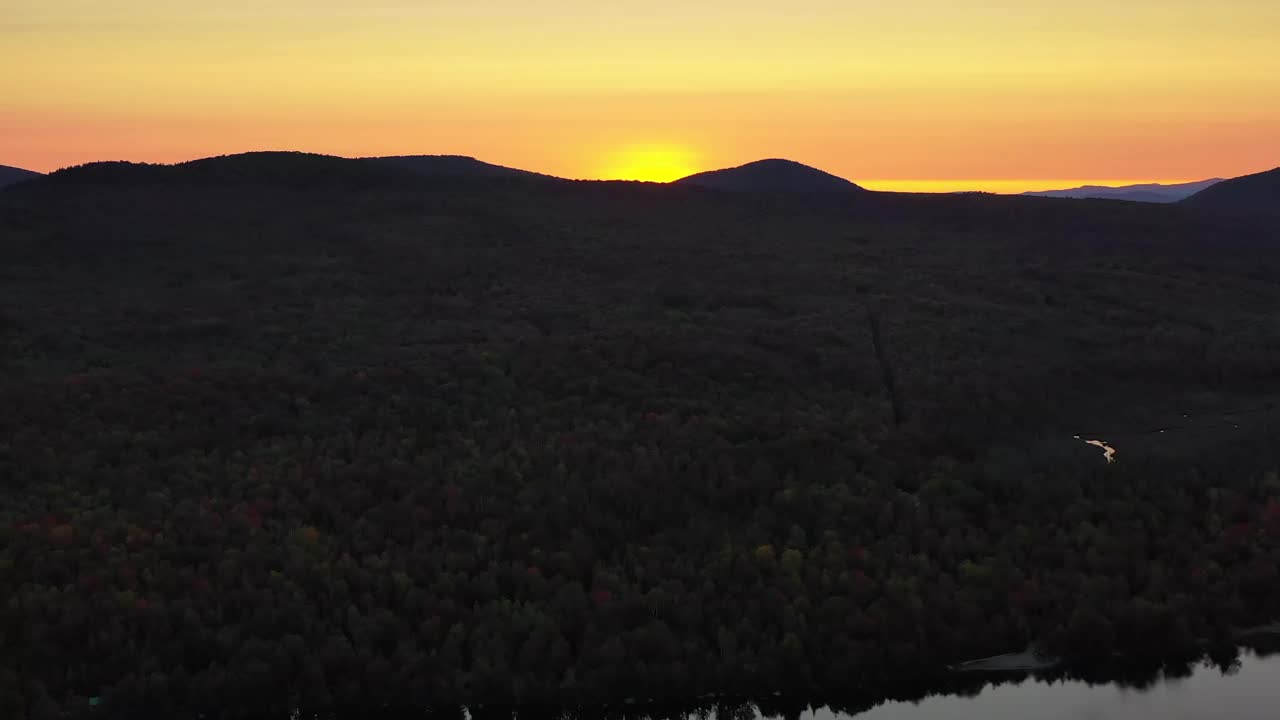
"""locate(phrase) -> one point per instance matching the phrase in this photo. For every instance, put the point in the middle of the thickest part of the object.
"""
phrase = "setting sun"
(650, 164)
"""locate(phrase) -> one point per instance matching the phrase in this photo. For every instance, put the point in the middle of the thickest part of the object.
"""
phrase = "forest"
(362, 451)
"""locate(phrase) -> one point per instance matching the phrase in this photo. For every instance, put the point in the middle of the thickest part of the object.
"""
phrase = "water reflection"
(1225, 685)
(1247, 691)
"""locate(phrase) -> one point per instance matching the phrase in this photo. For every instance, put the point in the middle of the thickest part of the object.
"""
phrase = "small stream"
(1201, 423)
(1107, 451)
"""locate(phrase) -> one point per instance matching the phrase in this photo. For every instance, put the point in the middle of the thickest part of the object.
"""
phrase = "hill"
(453, 166)
(1146, 192)
(1259, 192)
(772, 175)
(11, 175)
(284, 169)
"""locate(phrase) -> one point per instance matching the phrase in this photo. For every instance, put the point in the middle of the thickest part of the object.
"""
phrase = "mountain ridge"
(284, 168)
(291, 168)
(454, 166)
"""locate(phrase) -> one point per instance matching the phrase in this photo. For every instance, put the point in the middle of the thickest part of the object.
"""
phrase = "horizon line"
(1009, 186)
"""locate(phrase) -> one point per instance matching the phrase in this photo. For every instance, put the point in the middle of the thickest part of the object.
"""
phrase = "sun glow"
(943, 92)
(650, 163)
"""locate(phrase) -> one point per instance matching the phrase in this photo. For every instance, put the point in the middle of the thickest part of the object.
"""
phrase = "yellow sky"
(910, 94)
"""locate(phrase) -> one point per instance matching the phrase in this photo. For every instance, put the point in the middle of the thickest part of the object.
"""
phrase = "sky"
(893, 94)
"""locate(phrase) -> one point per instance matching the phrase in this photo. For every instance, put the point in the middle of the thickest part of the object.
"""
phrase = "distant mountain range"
(11, 175)
(771, 175)
(1259, 192)
(1149, 192)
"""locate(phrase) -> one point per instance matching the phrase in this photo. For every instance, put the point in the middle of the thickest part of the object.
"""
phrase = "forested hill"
(365, 449)
(771, 176)
(278, 169)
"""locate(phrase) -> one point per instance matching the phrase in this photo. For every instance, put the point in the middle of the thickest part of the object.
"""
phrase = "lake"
(1250, 692)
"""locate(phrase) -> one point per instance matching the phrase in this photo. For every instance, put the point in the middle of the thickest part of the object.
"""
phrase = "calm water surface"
(1250, 693)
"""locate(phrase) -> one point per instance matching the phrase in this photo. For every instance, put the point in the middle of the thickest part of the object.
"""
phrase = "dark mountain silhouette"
(1257, 192)
(11, 175)
(453, 166)
(770, 176)
(282, 169)
(1147, 192)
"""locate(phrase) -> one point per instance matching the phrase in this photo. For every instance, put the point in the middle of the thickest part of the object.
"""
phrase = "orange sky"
(910, 94)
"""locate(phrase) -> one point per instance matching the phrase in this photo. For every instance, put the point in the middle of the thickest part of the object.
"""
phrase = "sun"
(650, 163)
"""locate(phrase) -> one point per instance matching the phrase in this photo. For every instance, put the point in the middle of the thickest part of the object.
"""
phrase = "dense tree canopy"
(280, 448)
